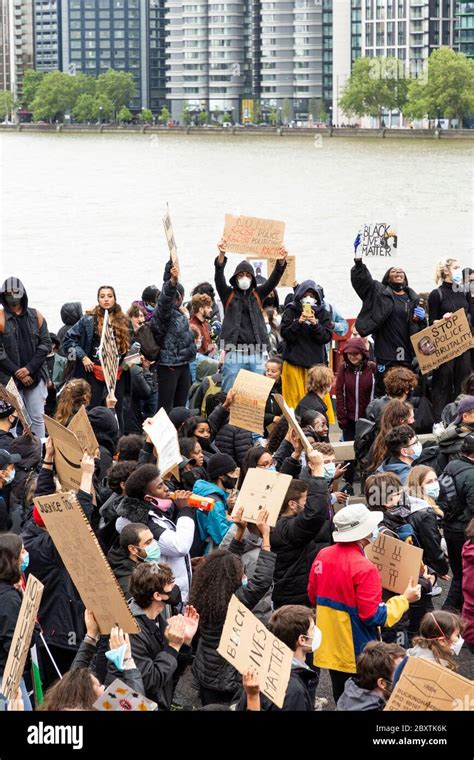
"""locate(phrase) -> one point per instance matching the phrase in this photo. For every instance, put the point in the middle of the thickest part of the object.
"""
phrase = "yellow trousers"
(293, 383)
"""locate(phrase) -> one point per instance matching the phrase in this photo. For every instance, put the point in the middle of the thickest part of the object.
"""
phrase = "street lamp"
(100, 115)
(330, 116)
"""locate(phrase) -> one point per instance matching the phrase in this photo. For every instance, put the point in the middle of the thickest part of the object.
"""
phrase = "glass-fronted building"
(465, 27)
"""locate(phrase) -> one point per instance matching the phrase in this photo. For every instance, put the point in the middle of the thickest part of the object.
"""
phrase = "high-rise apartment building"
(47, 35)
(465, 27)
(16, 44)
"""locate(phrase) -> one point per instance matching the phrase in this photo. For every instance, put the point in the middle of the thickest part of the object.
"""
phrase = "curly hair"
(319, 379)
(119, 473)
(277, 435)
(400, 381)
(129, 446)
(75, 393)
(74, 691)
(215, 580)
(395, 413)
(120, 322)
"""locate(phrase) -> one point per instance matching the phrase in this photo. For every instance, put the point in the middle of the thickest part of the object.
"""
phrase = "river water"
(82, 210)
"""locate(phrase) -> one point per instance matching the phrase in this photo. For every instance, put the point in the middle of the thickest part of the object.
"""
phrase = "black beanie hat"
(220, 464)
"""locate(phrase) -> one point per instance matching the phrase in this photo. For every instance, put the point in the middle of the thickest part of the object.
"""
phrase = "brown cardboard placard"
(426, 686)
(11, 395)
(250, 234)
(396, 562)
(442, 342)
(164, 437)
(170, 239)
(68, 454)
(85, 561)
(262, 489)
(108, 354)
(288, 277)
(246, 643)
(289, 415)
(378, 240)
(21, 641)
(82, 429)
(248, 408)
(118, 697)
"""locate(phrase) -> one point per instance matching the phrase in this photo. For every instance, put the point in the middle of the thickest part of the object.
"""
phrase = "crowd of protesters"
(307, 579)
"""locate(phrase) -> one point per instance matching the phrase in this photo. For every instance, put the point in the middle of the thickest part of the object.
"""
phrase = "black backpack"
(449, 498)
(365, 434)
(148, 342)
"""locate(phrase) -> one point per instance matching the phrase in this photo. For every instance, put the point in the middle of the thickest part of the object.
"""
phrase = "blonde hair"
(74, 394)
(415, 486)
(320, 377)
(442, 269)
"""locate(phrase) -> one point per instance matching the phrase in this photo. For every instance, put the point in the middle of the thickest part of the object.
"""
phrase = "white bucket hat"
(355, 522)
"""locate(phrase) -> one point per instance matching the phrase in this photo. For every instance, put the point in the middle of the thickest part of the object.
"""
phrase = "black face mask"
(174, 597)
(206, 444)
(189, 478)
(397, 286)
(228, 482)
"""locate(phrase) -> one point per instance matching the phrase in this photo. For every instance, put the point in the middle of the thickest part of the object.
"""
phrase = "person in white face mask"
(244, 335)
(440, 640)
(423, 491)
(443, 301)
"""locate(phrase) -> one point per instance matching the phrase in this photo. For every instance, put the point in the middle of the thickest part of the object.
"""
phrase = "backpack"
(212, 389)
(148, 343)
(232, 295)
(449, 500)
(39, 317)
(365, 435)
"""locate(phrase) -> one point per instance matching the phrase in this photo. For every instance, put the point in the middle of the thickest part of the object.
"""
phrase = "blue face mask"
(272, 468)
(417, 449)
(153, 552)
(10, 477)
(25, 562)
(432, 489)
(245, 581)
(117, 656)
(329, 470)
(456, 276)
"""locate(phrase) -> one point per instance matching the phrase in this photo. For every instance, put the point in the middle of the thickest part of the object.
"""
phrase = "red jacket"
(207, 345)
(468, 590)
(354, 385)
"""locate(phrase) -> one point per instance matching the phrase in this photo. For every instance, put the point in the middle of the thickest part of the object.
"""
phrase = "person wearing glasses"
(402, 449)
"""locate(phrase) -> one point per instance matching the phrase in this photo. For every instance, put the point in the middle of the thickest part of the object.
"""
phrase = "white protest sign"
(379, 240)
(164, 437)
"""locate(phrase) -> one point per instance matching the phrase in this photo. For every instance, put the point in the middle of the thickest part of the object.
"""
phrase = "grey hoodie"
(355, 698)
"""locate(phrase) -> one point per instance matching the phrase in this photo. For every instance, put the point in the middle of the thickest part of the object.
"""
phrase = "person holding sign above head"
(306, 328)
(178, 349)
(244, 333)
(346, 589)
(216, 580)
(82, 344)
(447, 298)
(391, 312)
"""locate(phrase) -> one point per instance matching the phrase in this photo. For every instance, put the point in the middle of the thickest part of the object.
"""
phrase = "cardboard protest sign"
(289, 415)
(396, 562)
(266, 267)
(249, 234)
(85, 562)
(248, 408)
(442, 342)
(118, 697)
(22, 637)
(12, 396)
(426, 686)
(246, 643)
(108, 354)
(170, 239)
(378, 239)
(68, 454)
(164, 437)
(262, 489)
(82, 429)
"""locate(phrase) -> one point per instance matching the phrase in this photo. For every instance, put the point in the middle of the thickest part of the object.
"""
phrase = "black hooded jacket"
(24, 339)
(378, 304)
(243, 322)
(70, 314)
(305, 344)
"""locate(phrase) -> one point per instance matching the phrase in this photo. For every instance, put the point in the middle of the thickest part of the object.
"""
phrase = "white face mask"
(456, 275)
(457, 646)
(315, 640)
(244, 283)
(309, 299)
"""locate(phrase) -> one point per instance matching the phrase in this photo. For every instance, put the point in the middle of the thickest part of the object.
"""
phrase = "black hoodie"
(70, 314)
(23, 342)
(243, 322)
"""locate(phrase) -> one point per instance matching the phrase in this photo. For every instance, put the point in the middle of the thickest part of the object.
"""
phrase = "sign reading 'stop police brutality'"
(379, 239)
(108, 354)
(443, 341)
